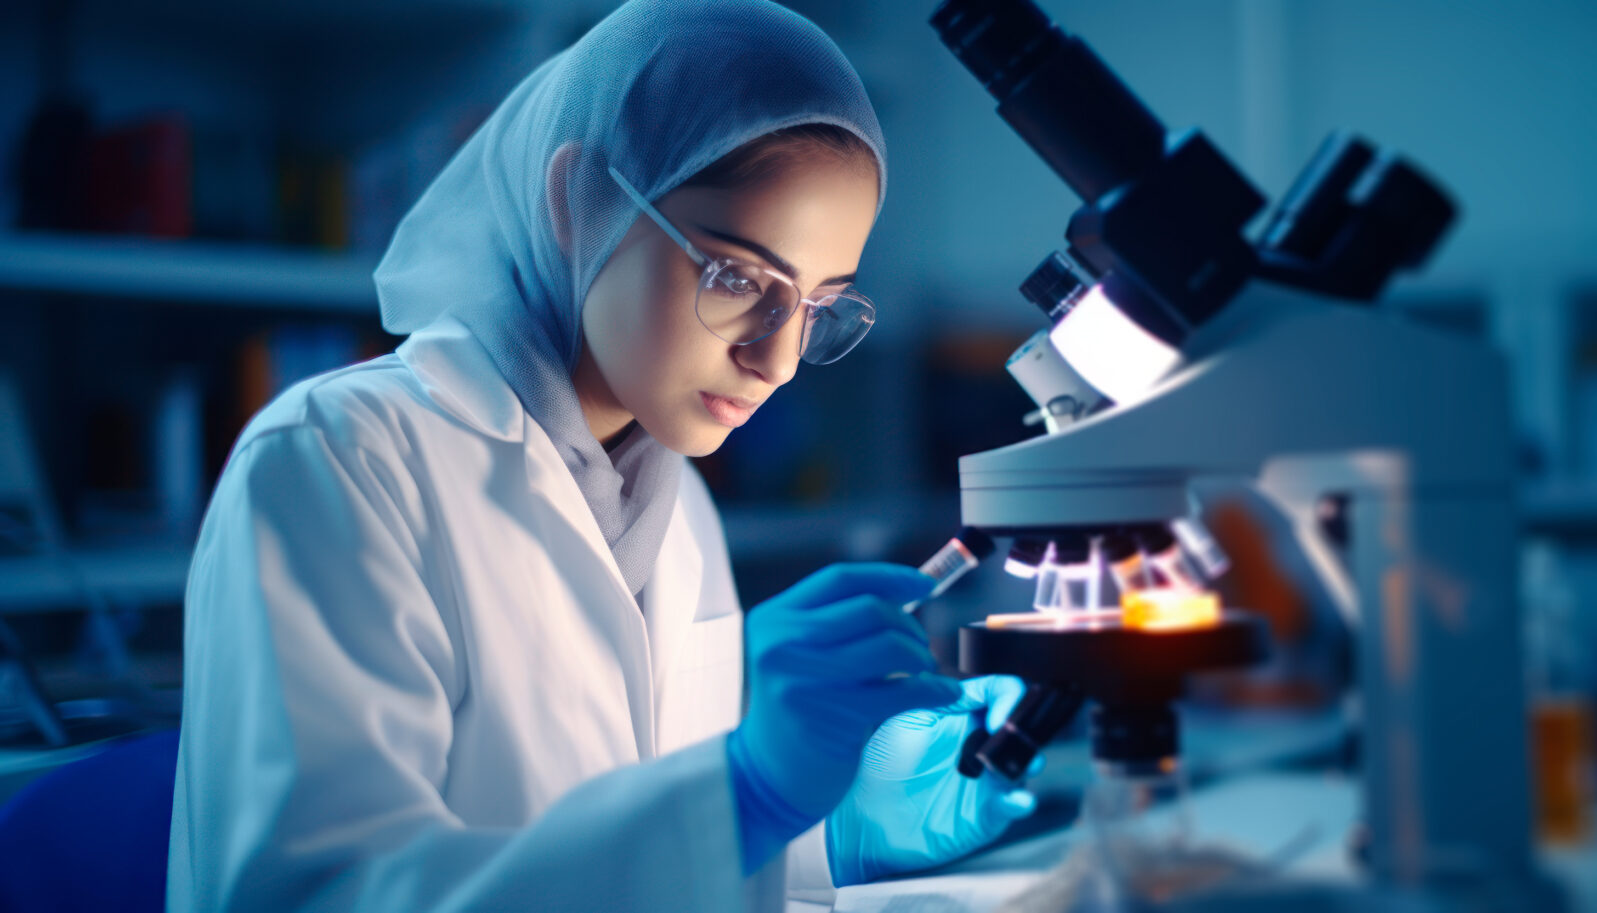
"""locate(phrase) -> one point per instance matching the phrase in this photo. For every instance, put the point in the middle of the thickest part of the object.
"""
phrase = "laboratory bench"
(1243, 814)
(21, 765)
(97, 705)
(1265, 785)
(215, 273)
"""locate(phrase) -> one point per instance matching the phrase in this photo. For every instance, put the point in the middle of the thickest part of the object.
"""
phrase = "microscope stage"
(1104, 652)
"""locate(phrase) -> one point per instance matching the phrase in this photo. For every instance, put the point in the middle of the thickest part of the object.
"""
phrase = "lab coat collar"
(460, 376)
(457, 373)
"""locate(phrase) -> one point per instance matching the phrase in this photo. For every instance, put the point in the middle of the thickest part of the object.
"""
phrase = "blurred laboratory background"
(196, 194)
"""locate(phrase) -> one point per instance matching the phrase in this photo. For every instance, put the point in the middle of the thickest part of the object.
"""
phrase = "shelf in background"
(1565, 510)
(206, 272)
(290, 20)
(851, 530)
(146, 574)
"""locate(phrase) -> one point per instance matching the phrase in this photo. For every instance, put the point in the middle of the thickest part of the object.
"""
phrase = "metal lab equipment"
(1209, 373)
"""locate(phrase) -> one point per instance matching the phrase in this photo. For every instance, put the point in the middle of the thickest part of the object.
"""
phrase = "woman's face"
(645, 355)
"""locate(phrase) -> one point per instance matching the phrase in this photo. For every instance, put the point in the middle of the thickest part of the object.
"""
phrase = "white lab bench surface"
(1243, 803)
(1255, 814)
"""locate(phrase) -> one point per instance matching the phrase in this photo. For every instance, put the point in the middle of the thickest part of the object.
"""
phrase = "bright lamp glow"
(1167, 609)
(1109, 349)
(1020, 569)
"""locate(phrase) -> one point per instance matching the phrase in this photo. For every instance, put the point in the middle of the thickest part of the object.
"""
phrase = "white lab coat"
(417, 682)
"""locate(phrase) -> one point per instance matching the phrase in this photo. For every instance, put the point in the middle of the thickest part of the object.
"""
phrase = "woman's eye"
(737, 284)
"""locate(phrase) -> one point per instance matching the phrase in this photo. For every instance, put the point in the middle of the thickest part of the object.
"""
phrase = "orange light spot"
(1167, 609)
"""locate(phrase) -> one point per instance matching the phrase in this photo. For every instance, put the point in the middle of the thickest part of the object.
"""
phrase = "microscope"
(1178, 350)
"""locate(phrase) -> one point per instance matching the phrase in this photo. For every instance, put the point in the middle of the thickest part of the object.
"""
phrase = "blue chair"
(92, 835)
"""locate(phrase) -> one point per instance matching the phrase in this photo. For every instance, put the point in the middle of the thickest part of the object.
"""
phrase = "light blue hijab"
(659, 89)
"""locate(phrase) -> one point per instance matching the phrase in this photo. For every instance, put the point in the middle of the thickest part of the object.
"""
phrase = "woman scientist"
(461, 632)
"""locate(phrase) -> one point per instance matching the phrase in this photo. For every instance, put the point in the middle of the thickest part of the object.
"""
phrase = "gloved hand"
(910, 808)
(827, 663)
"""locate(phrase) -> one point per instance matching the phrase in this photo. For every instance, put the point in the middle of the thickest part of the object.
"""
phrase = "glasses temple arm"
(651, 212)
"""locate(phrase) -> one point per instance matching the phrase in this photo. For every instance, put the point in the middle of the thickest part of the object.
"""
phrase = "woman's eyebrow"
(767, 254)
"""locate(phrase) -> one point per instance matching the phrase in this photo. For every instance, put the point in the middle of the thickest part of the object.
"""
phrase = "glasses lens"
(741, 303)
(836, 325)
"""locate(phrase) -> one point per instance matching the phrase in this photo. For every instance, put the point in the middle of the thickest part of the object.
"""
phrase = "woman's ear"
(561, 165)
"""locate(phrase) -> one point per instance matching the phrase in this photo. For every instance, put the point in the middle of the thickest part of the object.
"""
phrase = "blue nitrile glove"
(910, 808)
(829, 659)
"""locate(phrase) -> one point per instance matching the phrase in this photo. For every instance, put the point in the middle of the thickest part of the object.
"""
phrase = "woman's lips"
(728, 411)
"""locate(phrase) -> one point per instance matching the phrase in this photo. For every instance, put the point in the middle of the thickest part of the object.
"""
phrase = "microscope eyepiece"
(1053, 286)
(1162, 217)
(1057, 94)
(993, 40)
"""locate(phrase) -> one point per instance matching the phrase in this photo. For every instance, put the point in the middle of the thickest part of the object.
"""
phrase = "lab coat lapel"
(613, 605)
(671, 599)
(458, 374)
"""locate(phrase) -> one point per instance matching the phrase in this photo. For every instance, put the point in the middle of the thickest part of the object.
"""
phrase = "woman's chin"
(703, 439)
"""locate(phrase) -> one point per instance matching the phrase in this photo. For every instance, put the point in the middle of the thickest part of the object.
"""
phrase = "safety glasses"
(742, 303)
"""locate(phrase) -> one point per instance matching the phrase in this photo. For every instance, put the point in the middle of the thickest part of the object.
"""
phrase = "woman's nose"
(775, 358)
